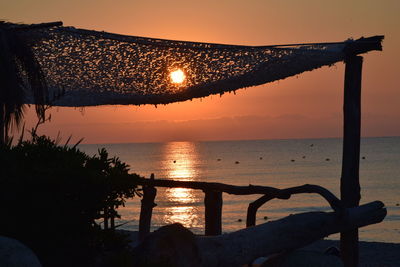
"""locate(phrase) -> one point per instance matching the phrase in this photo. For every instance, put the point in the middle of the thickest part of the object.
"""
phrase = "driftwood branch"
(273, 192)
(289, 233)
(174, 245)
(205, 186)
(333, 201)
(253, 208)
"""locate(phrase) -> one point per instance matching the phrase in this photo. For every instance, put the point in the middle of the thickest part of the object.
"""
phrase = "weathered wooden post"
(2, 125)
(349, 183)
(109, 218)
(213, 212)
(146, 210)
(112, 222)
(253, 208)
(105, 218)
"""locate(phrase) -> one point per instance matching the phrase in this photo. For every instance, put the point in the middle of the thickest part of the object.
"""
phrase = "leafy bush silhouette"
(51, 197)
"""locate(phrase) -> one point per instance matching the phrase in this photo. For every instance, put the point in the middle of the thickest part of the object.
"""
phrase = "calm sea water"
(277, 163)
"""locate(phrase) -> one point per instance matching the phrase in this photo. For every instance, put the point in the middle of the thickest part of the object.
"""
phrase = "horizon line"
(234, 140)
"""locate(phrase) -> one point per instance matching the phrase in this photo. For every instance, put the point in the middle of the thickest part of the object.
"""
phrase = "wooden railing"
(213, 200)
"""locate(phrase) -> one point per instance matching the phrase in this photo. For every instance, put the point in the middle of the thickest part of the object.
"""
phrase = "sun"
(177, 76)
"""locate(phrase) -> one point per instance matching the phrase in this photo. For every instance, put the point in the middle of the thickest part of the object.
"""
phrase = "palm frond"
(20, 73)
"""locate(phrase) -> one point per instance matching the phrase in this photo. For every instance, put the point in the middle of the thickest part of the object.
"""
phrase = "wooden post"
(105, 218)
(349, 183)
(253, 208)
(213, 212)
(146, 210)
(2, 124)
(112, 222)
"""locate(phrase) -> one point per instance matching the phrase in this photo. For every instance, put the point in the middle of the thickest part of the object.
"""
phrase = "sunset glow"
(177, 76)
(295, 107)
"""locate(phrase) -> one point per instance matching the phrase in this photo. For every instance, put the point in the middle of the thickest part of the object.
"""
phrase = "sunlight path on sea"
(179, 159)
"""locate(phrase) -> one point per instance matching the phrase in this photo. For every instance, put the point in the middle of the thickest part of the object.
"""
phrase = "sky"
(306, 106)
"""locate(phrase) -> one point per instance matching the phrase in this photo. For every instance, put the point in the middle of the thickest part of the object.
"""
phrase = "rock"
(14, 254)
(303, 258)
(333, 251)
(171, 245)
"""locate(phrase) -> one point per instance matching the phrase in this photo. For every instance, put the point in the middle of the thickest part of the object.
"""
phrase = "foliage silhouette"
(52, 197)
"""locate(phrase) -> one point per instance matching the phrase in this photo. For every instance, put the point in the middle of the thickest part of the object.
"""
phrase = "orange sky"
(306, 106)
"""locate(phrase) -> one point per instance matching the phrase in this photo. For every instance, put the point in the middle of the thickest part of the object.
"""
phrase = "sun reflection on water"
(180, 195)
(186, 215)
(179, 161)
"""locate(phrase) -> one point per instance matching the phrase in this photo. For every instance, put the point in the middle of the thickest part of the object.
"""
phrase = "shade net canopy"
(89, 68)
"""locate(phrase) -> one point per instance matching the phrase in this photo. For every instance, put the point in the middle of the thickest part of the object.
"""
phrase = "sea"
(276, 163)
